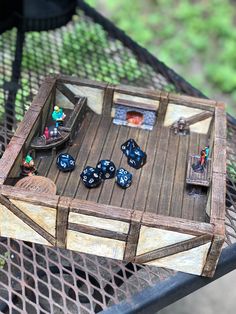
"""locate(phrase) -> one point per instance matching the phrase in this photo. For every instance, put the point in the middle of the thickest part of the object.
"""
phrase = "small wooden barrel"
(38, 184)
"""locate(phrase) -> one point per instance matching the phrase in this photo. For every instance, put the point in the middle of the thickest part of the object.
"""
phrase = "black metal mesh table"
(38, 279)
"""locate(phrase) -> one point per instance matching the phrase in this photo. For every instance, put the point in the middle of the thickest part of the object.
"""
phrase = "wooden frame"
(124, 233)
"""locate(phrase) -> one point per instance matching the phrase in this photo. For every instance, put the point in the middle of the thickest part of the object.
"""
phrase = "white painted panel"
(13, 227)
(102, 223)
(90, 244)
(191, 261)
(45, 217)
(152, 238)
(62, 101)
(174, 112)
(142, 100)
(94, 96)
(201, 126)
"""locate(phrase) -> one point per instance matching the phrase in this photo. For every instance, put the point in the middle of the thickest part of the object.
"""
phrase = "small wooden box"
(168, 217)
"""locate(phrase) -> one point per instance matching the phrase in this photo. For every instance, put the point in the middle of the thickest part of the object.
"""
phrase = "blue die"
(91, 177)
(128, 147)
(123, 178)
(65, 162)
(137, 158)
(107, 168)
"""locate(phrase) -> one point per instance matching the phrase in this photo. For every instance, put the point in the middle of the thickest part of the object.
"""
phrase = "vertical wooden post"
(162, 108)
(108, 100)
(63, 209)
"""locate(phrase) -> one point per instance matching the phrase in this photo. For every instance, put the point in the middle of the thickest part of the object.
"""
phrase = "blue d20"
(128, 147)
(123, 178)
(91, 177)
(137, 158)
(107, 169)
(65, 162)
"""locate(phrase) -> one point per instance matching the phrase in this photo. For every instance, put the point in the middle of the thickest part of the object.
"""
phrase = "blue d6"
(137, 158)
(91, 177)
(65, 162)
(128, 147)
(123, 178)
(107, 169)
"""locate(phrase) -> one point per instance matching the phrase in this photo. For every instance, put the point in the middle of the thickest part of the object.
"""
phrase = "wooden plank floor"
(158, 187)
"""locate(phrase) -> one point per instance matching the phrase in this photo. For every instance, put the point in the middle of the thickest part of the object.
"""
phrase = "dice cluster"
(136, 158)
(106, 169)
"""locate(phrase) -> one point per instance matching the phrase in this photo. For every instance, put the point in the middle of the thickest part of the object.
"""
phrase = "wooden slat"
(140, 197)
(97, 232)
(62, 221)
(67, 92)
(220, 121)
(173, 249)
(107, 189)
(16, 193)
(139, 91)
(179, 179)
(117, 192)
(213, 256)
(199, 117)
(188, 200)
(198, 178)
(94, 153)
(158, 169)
(168, 176)
(63, 177)
(219, 155)
(193, 102)
(135, 104)
(218, 196)
(27, 220)
(106, 153)
(100, 210)
(108, 100)
(132, 241)
(177, 224)
(162, 110)
(73, 183)
(130, 194)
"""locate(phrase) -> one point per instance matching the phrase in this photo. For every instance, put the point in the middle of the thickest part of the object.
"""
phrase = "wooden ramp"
(198, 178)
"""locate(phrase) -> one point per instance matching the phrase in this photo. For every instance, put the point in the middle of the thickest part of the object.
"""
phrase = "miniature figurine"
(201, 164)
(28, 168)
(181, 126)
(46, 133)
(58, 116)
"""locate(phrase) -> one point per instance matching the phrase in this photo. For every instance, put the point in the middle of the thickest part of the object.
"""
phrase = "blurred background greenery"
(197, 38)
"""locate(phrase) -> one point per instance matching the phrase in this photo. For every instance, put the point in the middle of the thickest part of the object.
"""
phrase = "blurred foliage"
(196, 38)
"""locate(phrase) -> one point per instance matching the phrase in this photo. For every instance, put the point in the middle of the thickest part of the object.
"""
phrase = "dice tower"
(171, 216)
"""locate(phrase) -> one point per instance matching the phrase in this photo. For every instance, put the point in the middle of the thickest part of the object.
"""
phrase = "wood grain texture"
(135, 104)
(173, 249)
(213, 256)
(220, 121)
(63, 209)
(27, 220)
(97, 232)
(132, 241)
(218, 196)
(108, 100)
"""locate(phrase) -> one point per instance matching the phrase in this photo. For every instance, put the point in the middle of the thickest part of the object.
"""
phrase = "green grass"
(196, 38)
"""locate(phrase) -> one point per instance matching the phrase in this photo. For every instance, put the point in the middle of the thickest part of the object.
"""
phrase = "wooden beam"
(108, 100)
(97, 231)
(67, 92)
(213, 256)
(162, 109)
(135, 104)
(27, 220)
(199, 117)
(62, 220)
(173, 249)
(132, 241)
